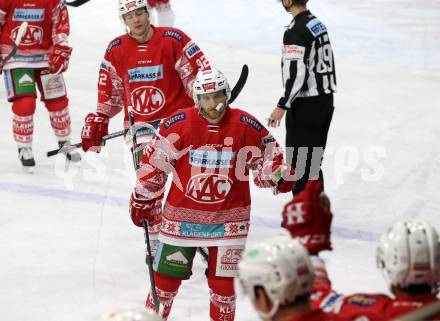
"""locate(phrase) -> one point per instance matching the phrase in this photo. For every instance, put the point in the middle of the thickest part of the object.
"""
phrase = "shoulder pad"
(167, 123)
(114, 43)
(251, 121)
(173, 33)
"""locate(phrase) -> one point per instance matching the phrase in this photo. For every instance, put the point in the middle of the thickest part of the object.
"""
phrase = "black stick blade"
(240, 83)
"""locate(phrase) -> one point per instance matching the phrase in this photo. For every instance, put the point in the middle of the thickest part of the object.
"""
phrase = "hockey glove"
(95, 127)
(308, 218)
(59, 59)
(284, 178)
(142, 209)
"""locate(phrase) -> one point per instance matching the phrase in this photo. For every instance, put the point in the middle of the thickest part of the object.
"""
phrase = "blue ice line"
(64, 194)
(121, 202)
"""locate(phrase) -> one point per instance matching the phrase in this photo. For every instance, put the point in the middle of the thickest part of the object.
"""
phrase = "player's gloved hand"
(142, 209)
(59, 59)
(95, 127)
(283, 176)
(308, 218)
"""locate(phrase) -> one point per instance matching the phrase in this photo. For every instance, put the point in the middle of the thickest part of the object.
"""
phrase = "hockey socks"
(166, 289)
(222, 306)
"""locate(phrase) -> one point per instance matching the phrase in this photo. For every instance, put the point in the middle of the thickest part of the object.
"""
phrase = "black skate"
(26, 158)
(72, 155)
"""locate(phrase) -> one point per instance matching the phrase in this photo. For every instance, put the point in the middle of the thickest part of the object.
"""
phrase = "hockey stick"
(234, 94)
(240, 83)
(134, 153)
(149, 262)
(18, 37)
(148, 256)
(77, 3)
(78, 145)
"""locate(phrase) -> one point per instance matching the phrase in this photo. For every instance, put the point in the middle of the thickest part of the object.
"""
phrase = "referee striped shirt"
(308, 67)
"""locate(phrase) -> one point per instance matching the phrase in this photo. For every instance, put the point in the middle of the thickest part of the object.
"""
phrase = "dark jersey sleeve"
(293, 63)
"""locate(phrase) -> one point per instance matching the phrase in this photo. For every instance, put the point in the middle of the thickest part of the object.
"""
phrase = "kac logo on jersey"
(29, 15)
(145, 74)
(147, 100)
(316, 27)
(208, 188)
(32, 36)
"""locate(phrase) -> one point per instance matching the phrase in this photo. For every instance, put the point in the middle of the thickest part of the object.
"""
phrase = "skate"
(71, 156)
(26, 158)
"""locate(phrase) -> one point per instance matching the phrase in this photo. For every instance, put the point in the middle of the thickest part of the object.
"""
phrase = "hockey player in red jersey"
(210, 150)
(278, 277)
(164, 12)
(151, 69)
(408, 255)
(41, 58)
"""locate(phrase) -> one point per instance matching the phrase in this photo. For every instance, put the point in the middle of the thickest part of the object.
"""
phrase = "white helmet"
(126, 6)
(132, 315)
(409, 254)
(209, 81)
(281, 266)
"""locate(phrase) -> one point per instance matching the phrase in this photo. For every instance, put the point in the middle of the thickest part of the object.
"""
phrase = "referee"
(309, 79)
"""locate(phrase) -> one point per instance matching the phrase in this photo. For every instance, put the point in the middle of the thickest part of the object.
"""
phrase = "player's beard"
(212, 115)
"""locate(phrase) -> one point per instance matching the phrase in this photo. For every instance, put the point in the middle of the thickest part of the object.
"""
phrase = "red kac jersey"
(155, 77)
(209, 200)
(48, 24)
(362, 306)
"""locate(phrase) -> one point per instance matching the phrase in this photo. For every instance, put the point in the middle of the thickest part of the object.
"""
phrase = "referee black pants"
(307, 125)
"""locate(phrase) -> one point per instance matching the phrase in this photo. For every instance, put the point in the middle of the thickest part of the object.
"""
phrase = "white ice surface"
(68, 249)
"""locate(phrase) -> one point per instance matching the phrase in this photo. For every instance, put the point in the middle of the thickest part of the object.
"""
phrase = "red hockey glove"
(145, 209)
(59, 59)
(308, 218)
(95, 127)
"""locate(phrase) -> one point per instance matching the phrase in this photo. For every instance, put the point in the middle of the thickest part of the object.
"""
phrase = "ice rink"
(68, 249)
